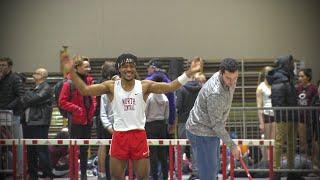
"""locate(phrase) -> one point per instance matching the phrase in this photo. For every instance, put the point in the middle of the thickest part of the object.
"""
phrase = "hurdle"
(75, 143)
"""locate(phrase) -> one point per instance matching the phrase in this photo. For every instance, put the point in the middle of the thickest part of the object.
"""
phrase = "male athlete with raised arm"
(128, 96)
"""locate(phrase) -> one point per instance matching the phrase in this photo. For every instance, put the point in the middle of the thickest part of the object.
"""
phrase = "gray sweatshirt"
(210, 112)
(106, 113)
(157, 107)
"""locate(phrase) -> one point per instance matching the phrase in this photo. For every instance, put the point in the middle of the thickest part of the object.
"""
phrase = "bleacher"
(243, 97)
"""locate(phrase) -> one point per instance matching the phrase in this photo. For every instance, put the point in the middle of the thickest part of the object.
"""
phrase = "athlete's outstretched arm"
(85, 90)
(158, 87)
(91, 90)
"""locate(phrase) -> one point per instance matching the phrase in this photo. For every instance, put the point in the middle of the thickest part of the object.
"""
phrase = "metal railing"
(250, 141)
(6, 132)
(296, 135)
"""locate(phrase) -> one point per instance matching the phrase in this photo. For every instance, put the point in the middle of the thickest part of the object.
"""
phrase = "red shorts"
(129, 145)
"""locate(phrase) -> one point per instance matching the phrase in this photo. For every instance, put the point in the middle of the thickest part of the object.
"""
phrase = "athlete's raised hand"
(67, 64)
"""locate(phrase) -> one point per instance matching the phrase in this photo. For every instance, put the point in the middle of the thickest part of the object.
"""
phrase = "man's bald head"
(40, 75)
(43, 72)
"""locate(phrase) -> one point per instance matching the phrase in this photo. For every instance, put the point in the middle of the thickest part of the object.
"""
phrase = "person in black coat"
(37, 105)
(283, 94)
(186, 96)
(11, 89)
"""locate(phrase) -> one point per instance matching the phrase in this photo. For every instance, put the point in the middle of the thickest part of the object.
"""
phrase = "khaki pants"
(285, 132)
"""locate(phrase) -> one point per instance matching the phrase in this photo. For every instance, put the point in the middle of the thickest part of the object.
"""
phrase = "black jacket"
(11, 89)
(316, 113)
(39, 102)
(186, 96)
(316, 100)
(283, 92)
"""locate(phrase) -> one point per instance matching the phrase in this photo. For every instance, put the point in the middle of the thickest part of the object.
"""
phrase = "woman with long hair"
(267, 125)
(306, 91)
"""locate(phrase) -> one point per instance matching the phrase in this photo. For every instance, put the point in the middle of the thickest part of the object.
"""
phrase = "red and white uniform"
(129, 140)
(128, 107)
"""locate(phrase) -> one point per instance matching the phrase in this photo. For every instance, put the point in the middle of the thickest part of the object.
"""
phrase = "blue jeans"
(17, 134)
(206, 151)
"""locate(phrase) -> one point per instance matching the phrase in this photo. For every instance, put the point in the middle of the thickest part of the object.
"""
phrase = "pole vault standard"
(75, 143)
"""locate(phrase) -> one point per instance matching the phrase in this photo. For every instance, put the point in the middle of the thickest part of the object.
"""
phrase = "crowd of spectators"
(32, 114)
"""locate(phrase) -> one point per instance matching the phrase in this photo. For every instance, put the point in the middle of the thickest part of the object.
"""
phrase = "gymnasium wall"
(33, 31)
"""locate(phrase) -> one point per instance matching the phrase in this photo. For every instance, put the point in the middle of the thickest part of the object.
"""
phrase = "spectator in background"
(283, 94)
(157, 114)
(200, 77)
(105, 121)
(37, 104)
(267, 125)
(306, 91)
(82, 109)
(60, 155)
(186, 96)
(11, 90)
(154, 69)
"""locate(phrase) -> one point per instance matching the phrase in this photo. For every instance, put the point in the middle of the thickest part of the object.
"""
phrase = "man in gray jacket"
(206, 123)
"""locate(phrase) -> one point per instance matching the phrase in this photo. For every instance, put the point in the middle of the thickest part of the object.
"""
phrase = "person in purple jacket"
(154, 69)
